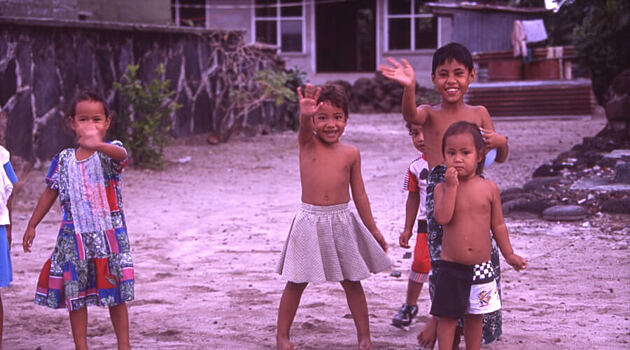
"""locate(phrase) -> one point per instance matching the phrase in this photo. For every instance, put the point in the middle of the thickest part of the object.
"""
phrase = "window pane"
(266, 32)
(399, 34)
(192, 13)
(399, 7)
(266, 8)
(426, 33)
(291, 11)
(291, 32)
(420, 6)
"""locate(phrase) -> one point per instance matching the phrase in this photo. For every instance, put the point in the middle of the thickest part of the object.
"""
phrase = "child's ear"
(108, 122)
(472, 75)
(71, 123)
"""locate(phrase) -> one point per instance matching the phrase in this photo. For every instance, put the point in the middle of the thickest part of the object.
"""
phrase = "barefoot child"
(468, 206)
(7, 179)
(416, 184)
(326, 242)
(91, 263)
(452, 72)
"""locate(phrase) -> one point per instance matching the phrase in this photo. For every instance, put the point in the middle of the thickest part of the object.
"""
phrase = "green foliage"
(144, 125)
(600, 37)
(278, 85)
(273, 84)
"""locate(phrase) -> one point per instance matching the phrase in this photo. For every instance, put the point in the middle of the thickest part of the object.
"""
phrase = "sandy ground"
(206, 236)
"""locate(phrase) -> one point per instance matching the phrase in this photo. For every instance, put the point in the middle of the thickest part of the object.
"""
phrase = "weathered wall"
(132, 11)
(62, 9)
(44, 64)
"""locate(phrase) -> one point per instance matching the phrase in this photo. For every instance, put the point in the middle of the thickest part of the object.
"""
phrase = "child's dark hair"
(408, 126)
(472, 129)
(87, 95)
(452, 51)
(335, 95)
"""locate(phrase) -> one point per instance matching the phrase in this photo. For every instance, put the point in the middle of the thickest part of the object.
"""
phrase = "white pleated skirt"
(329, 243)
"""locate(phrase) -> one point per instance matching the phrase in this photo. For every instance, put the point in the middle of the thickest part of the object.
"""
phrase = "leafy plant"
(144, 125)
(271, 84)
(600, 37)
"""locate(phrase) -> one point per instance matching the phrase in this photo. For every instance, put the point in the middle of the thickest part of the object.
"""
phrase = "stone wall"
(61, 9)
(45, 63)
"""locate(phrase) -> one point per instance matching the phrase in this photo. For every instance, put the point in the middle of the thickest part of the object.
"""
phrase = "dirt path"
(206, 236)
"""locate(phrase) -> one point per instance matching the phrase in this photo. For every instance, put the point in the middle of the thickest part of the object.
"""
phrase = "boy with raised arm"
(451, 72)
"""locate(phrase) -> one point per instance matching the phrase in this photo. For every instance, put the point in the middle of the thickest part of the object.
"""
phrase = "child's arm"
(500, 232)
(411, 212)
(91, 139)
(492, 138)
(43, 205)
(308, 108)
(361, 200)
(445, 195)
(403, 73)
(9, 205)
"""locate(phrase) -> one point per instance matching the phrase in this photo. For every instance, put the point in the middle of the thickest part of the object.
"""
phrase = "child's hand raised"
(308, 100)
(450, 178)
(493, 139)
(89, 137)
(517, 262)
(400, 72)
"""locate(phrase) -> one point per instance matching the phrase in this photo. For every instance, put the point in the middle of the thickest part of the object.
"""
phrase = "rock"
(540, 183)
(564, 213)
(616, 206)
(512, 190)
(407, 255)
(506, 197)
(524, 204)
(545, 170)
(395, 274)
(622, 173)
(213, 139)
(507, 207)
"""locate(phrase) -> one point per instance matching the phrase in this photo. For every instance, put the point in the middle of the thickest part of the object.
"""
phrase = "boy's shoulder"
(419, 162)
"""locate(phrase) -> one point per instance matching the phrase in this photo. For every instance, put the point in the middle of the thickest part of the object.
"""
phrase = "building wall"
(62, 9)
(483, 31)
(132, 11)
(45, 63)
(232, 15)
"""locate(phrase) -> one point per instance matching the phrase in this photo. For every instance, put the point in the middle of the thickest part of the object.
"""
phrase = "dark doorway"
(345, 35)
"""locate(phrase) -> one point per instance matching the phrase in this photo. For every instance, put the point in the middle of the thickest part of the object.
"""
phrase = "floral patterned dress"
(91, 263)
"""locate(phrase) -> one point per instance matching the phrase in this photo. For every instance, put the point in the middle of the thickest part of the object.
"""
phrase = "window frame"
(176, 6)
(278, 18)
(412, 17)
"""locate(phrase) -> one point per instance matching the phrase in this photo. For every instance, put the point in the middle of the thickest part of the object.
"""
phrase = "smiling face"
(330, 122)
(460, 153)
(89, 115)
(451, 79)
(417, 136)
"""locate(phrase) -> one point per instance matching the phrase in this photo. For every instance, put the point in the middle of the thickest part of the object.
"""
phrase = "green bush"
(272, 84)
(600, 36)
(144, 125)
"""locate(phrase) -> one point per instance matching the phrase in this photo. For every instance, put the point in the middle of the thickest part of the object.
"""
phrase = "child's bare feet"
(284, 344)
(365, 344)
(426, 337)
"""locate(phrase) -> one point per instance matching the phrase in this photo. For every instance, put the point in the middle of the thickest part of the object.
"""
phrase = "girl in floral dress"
(91, 263)
(7, 179)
